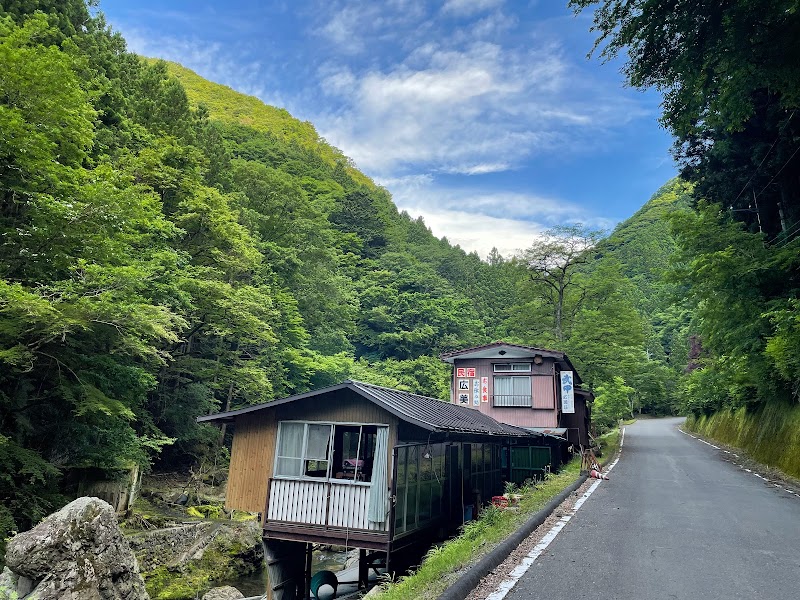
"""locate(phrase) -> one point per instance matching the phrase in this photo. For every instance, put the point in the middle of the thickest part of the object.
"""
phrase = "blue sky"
(483, 116)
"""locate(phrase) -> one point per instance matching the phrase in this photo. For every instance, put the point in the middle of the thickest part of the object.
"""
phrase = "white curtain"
(290, 449)
(378, 489)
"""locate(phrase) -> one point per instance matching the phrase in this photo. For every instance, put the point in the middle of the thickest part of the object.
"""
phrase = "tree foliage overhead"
(730, 75)
(171, 248)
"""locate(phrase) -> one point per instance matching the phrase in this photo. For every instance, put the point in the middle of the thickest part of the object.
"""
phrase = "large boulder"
(226, 592)
(77, 553)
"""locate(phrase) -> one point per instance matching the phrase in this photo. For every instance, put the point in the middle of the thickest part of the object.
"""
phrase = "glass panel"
(289, 467)
(477, 458)
(369, 436)
(521, 367)
(412, 483)
(317, 442)
(291, 440)
(400, 477)
(522, 386)
(500, 368)
(316, 468)
(503, 386)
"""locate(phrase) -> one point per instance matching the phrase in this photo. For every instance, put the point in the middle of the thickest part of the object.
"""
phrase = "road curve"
(674, 522)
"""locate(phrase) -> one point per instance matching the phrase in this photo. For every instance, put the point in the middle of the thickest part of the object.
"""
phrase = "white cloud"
(480, 220)
(466, 8)
(476, 109)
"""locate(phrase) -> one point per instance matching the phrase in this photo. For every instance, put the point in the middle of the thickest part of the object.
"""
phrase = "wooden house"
(528, 387)
(361, 466)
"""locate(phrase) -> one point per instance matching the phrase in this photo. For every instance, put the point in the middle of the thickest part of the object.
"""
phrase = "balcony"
(324, 512)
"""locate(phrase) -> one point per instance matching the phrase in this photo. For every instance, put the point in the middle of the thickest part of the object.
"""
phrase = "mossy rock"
(207, 511)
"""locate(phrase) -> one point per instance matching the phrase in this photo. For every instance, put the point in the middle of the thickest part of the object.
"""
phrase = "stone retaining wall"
(162, 547)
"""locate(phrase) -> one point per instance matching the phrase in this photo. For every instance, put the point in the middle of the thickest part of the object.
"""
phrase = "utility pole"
(758, 214)
(783, 219)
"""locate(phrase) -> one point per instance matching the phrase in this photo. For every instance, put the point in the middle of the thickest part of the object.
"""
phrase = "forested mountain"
(170, 248)
(163, 259)
(729, 73)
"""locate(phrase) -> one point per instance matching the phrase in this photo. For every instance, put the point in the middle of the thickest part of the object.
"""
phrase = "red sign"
(471, 372)
(461, 372)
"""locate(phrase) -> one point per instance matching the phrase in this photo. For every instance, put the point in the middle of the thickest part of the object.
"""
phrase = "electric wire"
(778, 173)
(765, 157)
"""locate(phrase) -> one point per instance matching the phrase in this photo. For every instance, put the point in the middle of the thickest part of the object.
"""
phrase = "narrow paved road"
(674, 521)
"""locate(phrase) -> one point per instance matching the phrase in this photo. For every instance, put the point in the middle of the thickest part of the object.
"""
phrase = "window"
(354, 451)
(324, 450)
(303, 450)
(420, 488)
(512, 367)
(512, 390)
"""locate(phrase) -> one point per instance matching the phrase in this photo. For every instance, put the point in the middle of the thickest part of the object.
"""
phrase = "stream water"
(256, 583)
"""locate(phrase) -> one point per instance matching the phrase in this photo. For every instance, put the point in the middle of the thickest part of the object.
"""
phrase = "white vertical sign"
(567, 392)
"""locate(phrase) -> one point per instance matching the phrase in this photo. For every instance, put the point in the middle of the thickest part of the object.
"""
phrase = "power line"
(765, 157)
(793, 229)
(779, 172)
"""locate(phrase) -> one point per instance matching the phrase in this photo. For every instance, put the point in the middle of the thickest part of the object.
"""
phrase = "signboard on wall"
(484, 389)
(463, 399)
(470, 372)
(461, 372)
(567, 392)
(463, 384)
(476, 392)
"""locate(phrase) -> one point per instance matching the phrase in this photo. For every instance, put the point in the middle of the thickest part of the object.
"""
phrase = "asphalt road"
(674, 521)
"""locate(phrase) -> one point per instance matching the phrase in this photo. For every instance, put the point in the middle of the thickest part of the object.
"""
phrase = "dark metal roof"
(434, 414)
(498, 344)
(429, 413)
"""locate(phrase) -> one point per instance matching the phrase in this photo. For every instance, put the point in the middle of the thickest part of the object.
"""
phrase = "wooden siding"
(255, 437)
(543, 413)
(544, 391)
(252, 458)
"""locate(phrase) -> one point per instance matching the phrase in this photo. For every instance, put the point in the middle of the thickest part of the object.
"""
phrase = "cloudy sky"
(483, 116)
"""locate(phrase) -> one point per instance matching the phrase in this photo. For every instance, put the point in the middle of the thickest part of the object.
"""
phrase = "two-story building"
(522, 386)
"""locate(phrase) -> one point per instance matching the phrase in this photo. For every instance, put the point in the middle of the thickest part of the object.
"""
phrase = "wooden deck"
(322, 509)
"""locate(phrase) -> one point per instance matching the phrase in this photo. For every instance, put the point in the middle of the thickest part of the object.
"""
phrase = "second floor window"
(512, 391)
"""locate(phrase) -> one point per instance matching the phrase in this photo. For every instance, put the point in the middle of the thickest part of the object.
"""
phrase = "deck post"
(363, 569)
(307, 581)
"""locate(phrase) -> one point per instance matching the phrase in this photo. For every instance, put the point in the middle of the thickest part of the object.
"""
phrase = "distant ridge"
(229, 106)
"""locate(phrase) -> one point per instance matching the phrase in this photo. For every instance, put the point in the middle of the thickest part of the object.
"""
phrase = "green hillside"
(229, 106)
(172, 248)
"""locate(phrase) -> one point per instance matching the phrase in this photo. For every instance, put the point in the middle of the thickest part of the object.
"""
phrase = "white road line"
(742, 467)
(508, 584)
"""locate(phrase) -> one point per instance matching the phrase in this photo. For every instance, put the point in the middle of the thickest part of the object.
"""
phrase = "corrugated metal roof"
(436, 414)
(425, 412)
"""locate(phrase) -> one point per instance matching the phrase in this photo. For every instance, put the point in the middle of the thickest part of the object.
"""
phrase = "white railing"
(326, 503)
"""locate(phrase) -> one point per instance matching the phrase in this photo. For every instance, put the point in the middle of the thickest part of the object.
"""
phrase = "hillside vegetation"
(171, 248)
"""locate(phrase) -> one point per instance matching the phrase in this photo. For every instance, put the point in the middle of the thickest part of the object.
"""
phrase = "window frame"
(528, 367)
(509, 375)
(304, 447)
(329, 473)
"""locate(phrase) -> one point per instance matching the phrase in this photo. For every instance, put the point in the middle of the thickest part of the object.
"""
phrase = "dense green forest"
(171, 248)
